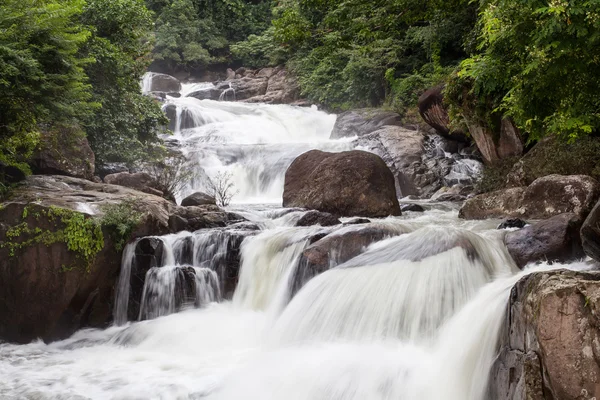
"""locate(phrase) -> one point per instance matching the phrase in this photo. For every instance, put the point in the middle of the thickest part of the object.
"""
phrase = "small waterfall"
(146, 83)
(122, 293)
(405, 287)
(171, 288)
(225, 95)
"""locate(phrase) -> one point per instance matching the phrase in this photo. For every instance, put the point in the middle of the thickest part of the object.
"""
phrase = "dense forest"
(72, 67)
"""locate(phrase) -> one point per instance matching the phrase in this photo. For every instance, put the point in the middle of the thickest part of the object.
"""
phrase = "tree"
(42, 77)
(538, 63)
(126, 126)
(221, 187)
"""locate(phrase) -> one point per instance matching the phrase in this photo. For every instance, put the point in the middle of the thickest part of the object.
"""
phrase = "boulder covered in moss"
(61, 240)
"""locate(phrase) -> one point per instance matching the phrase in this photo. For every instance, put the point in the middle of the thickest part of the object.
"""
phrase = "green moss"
(82, 234)
(120, 220)
(494, 176)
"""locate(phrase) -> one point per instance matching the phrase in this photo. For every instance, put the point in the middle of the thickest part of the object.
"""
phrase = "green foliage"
(81, 233)
(259, 51)
(42, 78)
(127, 124)
(538, 63)
(356, 54)
(494, 176)
(120, 220)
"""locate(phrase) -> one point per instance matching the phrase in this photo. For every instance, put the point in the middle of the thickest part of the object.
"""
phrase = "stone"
(198, 199)
(164, 83)
(590, 233)
(554, 240)
(509, 143)
(64, 152)
(317, 218)
(356, 221)
(549, 339)
(412, 207)
(363, 121)
(512, 223)
(350, 183)
(545, 197)
(49, 291)
(434, 113)
(141, 181)
(335, 249)
(11, 174)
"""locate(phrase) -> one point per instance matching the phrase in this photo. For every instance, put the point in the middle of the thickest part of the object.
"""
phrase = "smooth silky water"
(414, 317)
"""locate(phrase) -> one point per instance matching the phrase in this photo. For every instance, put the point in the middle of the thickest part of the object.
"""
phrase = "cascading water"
(414, 316)
(255, 143)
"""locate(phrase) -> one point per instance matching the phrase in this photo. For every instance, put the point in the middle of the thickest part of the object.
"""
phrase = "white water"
(255, 143)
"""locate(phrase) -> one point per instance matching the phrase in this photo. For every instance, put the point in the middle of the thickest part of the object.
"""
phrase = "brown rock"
(362, 122)
(317, 218)
(47, 290)
(139, 181)
(554, 239)
(590, 234)
(64, 152)
(549, 340)
(198, 199)
(351, 183)
(508, 144)
(434, 113)
(164, 83)
(544, 198)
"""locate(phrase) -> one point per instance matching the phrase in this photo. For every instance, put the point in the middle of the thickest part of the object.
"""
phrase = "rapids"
(414, 317)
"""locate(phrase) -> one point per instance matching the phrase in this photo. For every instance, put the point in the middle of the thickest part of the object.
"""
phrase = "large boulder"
(350, 183)
(421, 164)
(184, 120)
(590, 234)
(434, 113)
(141, 181)
(60, 257)
(64, 152)
(317, 218)
(198, 199)
(155, 82)
(337, 248)
(544, 198)
(363, 121)
(554, 239)
(549, 339)
(282, 87)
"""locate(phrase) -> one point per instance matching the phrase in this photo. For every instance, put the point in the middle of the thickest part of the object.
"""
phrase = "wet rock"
(351, 183)
(356, 221)
(512, 223)
(554, 239)
(434, 113)
(49, 291)
(335, 249)
(412, 207)
(544, 198)
(139, 181)
(198, 199)
(207, 94)
(590, 234)
(317, 218)
(64, 152)
(148, 254)
(362, 122)
(164, 83)
(549, 339)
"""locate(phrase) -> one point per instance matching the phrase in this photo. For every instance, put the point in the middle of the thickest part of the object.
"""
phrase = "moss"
(120, 220)
(494, 176)
(81, 234)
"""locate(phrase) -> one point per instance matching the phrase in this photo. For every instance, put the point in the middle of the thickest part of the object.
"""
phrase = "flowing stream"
(414, 316)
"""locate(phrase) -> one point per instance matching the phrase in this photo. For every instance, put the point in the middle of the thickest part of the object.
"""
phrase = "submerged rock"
(555, 239)
(412, 207)
(318, 218)
(350, 183)
(544, 198)
(549, 339)
(512, 223)
(590, 234)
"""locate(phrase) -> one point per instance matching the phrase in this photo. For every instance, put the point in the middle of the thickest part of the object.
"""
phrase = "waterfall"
(122, 292)
(255, 143)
